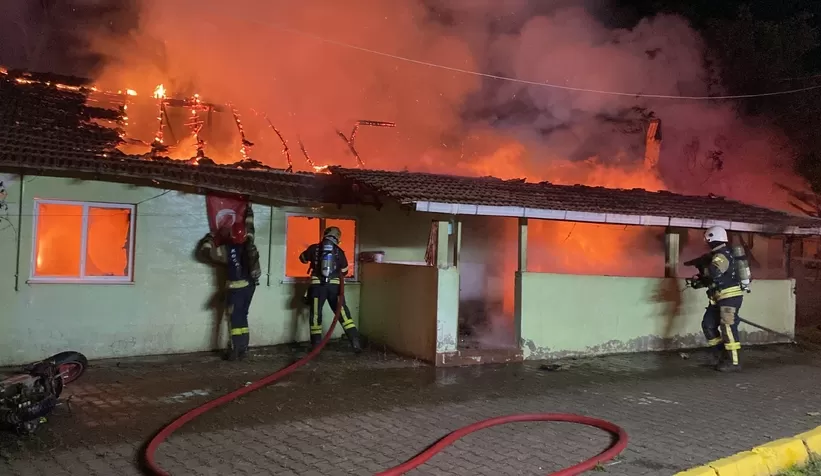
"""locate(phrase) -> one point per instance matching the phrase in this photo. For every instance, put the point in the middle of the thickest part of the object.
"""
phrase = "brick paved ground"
(349, 415)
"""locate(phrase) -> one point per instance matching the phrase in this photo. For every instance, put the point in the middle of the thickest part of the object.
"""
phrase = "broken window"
(77, 241)
(303, 231)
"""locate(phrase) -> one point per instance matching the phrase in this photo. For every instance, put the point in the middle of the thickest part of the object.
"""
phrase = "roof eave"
(608, 218)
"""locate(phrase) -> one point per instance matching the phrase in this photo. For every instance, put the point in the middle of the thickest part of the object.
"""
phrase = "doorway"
(487, 267)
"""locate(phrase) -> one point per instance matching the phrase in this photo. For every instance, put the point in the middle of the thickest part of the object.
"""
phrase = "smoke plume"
(56, 35)
(261, 56)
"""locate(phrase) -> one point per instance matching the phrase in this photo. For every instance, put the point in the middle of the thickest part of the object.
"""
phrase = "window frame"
(322, 219)
(86, 205)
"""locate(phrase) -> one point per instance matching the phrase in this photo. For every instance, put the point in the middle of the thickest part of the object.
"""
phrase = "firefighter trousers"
(318, 295)
(720, 326)
(239, 303)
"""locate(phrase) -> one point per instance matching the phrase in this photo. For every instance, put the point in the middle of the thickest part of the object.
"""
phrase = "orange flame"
(159, 92)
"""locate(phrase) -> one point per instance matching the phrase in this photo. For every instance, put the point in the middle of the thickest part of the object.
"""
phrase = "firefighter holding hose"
(726, 275)
(328, 265)
(237, 252)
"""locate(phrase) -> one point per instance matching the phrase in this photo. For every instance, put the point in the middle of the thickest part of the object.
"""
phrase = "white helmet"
(715, 233)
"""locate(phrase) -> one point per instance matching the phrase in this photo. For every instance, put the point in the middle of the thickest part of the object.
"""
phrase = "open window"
(303, 231)
(82, 242)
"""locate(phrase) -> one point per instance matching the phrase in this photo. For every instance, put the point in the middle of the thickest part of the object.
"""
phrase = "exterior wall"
(412, 310)
(168, 307)
(401, 234)
(565, 315)
(447, 309)
(399, 308)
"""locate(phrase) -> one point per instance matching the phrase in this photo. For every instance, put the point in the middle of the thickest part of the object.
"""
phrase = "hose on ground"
(767, 329)
(619, 444)
(792, 339)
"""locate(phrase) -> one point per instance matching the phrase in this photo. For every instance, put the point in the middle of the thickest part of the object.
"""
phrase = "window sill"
(78, 281)
(308, 281)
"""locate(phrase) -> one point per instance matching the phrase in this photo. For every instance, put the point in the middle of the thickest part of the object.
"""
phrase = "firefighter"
(327, 266)
(241, 258)
(718, 272)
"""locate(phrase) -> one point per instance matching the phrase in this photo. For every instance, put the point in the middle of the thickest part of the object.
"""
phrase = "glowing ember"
(317, 168)
(245, 149)
(285, 149)
(69, 88)
(196, 126)
(159, 93)
(322, 169)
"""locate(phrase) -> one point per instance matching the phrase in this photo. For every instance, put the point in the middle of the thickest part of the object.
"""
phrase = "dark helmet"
(333, 233)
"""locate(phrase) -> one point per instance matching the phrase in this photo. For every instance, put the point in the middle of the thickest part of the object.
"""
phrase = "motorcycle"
(29, 395)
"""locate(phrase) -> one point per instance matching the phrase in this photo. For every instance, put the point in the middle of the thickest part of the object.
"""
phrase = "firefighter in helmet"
(327, 266)
(719, 273)
(239, 255)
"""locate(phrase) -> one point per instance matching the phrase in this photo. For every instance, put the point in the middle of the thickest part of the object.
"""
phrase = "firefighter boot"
(232, 354)
(315, 340)
(353, 336)
(726, 363)
(716, 356)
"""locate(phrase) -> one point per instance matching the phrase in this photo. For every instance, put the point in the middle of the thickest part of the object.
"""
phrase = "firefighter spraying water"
(726, 274)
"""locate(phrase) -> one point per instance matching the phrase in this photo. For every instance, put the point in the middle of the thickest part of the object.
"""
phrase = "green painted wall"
(447, 309)
(399, 308)
(412, 310)
(166, 309)
(566, 315)
(401, 234)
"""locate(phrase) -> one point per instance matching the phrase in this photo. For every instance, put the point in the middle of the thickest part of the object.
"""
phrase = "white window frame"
(82, 279)
(321, 226)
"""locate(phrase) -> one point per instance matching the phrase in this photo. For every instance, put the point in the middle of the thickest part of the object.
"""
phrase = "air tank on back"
(742, 267)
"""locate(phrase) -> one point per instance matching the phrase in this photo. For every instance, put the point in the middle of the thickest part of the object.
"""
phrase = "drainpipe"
(19, 234)
(270, 240)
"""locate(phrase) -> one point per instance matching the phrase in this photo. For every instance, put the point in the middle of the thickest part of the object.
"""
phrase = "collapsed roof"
(47, 129)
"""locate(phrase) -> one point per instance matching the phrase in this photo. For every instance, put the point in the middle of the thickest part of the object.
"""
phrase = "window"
(82, 241)
(303, 231)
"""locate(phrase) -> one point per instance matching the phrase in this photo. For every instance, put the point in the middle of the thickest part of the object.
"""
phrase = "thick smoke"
(239, 52)
(55, 35)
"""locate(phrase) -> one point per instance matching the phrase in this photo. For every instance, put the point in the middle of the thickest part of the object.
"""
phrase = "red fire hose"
(619, 445)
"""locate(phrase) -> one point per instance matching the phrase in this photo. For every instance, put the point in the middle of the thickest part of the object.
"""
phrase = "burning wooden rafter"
(285, 150)
(157, 145)
(317, 168)
(245, 149)
(195, 105)
(350, 140)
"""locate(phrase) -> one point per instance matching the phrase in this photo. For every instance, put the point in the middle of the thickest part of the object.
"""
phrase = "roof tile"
(44, 129)
(408, 188)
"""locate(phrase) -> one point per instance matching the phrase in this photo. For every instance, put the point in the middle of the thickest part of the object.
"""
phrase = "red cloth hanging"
(226, 217)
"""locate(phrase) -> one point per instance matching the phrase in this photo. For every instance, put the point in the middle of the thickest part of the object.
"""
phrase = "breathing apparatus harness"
(740, 268)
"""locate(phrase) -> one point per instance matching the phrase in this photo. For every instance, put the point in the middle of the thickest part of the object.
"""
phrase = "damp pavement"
(347, 414)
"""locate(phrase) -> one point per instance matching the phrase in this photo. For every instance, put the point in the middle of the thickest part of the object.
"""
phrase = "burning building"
(97, 246)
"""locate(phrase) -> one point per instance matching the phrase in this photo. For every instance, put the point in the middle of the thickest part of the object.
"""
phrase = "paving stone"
(347, 415)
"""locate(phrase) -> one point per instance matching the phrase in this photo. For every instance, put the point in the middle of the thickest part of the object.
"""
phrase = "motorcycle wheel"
(70, 364)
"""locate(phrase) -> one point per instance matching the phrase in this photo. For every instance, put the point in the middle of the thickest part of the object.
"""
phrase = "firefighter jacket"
(723, 273)
(241, 260)
(317, 255)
